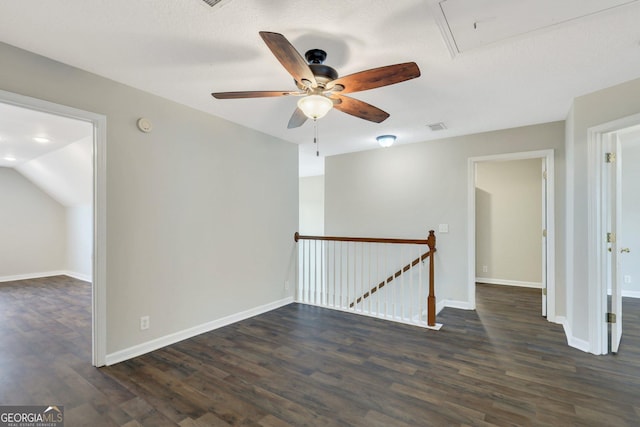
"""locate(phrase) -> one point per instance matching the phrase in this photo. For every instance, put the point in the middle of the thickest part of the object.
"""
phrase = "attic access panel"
(469, 24)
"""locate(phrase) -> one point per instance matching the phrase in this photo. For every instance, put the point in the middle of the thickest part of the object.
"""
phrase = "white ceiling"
(19, 126)
(183, 50)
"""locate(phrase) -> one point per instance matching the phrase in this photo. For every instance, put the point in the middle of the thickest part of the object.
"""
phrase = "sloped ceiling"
(65, 174)
(61, 164)
(184, 49)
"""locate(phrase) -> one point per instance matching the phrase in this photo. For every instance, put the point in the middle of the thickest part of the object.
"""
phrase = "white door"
(616, 237)
(544, 238)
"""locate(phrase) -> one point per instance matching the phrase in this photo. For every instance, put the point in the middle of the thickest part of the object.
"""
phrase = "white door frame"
(597, 228)
(99, 282)
(548, 157)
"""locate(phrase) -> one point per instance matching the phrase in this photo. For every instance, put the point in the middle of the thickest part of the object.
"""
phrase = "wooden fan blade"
(360, 109)
(289, 58)
(377, 77)
(297, 119)
(254, 94)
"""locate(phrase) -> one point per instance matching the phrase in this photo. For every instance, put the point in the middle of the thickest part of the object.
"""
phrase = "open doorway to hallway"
(52, 170)
(621, 209)
(511, 224)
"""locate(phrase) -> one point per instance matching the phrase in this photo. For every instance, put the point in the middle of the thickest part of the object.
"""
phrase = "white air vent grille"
(212, 2)
(437, 126)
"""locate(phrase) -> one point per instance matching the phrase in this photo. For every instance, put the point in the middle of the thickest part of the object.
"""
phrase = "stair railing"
(369, 276)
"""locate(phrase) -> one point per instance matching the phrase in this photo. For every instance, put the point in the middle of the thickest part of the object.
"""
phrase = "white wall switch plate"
(443, 228)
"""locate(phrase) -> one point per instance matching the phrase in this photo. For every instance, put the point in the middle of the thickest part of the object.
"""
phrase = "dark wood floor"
(301, 365)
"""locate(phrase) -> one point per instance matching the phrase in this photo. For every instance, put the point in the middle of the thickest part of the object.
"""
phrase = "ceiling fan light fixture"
(386, 140)
(315, 106)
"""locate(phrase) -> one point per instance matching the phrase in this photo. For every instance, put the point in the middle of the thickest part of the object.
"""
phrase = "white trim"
(548, 156)
(99, 294)
(572, 341)
(631, 294)
(40, 275)
(28, 276)
(79, 276)
(596, 229)
(458, 305)
(569, 218)
(519, 283)
(155, 344)
(443, 26)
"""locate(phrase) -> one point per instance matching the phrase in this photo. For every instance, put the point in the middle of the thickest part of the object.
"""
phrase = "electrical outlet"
(144, 323)
(485, 269)
(286, 285)
(627, 279)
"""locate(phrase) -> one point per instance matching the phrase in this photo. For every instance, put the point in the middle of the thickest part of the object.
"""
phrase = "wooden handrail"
(430, 241)
(298, 236)
(393, 276)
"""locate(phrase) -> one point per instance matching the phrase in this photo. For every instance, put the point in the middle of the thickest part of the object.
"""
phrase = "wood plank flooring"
(306, 366)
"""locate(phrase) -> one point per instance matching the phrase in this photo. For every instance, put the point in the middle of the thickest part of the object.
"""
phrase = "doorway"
(98, 262)
(546, 247)
(613, 228)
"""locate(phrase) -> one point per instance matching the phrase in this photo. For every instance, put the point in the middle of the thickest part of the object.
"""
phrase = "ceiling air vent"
(212, 2)
(437, 126)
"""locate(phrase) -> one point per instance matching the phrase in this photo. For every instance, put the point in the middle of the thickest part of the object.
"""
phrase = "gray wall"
(509, 222)
(80, 242)
(312, 205)
(200, 212)
(32, 228)
(405, 190)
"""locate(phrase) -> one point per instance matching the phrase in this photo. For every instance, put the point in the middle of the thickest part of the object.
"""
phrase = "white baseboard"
(627, 294)
(631, 294)
(490, 281)
(572, 341)
(79, 276)
(460, 305)
(155, 344)
(32, 276)
(28, 276)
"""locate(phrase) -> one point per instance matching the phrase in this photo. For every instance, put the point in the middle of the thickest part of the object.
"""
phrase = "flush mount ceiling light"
(41, 139)
(386, 140)
(315, 106)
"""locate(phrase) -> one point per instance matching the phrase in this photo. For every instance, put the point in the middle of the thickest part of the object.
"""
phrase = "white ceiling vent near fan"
(214, 2)
(437, 126)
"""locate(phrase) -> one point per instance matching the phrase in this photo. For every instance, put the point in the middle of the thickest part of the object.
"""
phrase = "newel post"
(431, 299)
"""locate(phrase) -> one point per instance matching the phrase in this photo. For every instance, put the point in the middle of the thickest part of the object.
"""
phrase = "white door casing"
(543, 233)
(99, 264)
(548, 279)
(603, 264)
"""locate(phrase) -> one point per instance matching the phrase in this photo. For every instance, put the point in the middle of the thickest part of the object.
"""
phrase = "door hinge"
(544, 233)
(611, 237)
(544, 291)
(611, 318)
(544, 175)
(609, 157)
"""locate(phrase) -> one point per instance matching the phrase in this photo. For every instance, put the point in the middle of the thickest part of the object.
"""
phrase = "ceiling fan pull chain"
(316, 140)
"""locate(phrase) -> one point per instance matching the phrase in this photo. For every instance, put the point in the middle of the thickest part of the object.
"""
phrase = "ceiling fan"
(319, 86)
